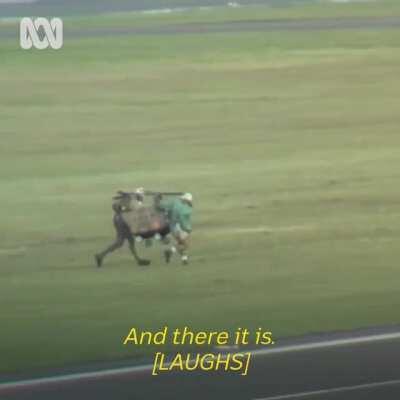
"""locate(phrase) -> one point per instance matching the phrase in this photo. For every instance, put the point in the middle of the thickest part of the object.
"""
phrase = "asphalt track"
(357, 365)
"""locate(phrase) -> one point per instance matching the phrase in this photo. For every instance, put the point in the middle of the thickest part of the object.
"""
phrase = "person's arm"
(186, 222)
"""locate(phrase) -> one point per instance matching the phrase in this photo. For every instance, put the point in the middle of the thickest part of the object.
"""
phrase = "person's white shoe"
(185, 260)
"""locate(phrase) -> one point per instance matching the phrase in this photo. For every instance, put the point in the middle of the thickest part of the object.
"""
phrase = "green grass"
(289, 142)
(307, 10)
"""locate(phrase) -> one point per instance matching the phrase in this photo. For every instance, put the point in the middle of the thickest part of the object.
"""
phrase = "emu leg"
(118, 243)
(132, 247)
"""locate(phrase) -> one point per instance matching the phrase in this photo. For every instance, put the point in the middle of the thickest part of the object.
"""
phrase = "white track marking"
(334, 390)
(29, 383)
(327, 343)
(109, 373)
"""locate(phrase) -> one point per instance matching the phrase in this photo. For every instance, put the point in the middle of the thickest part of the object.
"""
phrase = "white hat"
(139, 190)
(187, 197)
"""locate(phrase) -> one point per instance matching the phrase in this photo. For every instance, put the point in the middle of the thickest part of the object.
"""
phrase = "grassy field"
(303, 10)
(289, 142)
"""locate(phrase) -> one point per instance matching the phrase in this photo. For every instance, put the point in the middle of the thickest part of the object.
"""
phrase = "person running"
(179, 213)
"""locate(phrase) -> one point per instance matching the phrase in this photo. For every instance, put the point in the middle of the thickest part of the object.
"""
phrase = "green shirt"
(178, 212)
